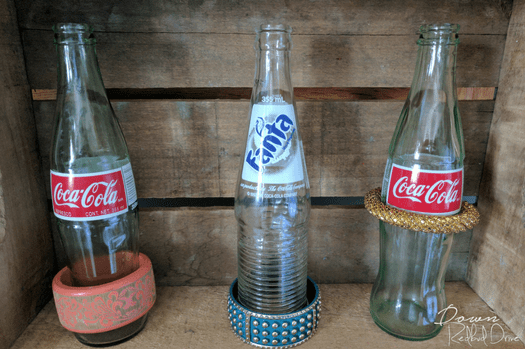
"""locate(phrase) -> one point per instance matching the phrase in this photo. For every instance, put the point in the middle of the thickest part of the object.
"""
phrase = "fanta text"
(274, 139)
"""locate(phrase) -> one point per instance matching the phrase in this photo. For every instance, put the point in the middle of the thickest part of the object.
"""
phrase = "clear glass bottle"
(424, 174)
(92, 184)
(272, 202)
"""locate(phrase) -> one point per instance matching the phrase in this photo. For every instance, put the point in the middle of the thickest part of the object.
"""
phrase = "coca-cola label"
(273, 150)
(84, 197)
(425, 191)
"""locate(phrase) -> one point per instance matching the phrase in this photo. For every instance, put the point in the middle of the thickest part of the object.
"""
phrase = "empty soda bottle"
(92, 184)
(424, 174)
(272, 202)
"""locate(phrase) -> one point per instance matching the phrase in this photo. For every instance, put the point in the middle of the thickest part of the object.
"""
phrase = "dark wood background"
(190, 147)
(181, 73)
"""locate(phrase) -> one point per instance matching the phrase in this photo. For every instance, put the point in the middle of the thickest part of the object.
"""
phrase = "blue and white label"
(273, 149)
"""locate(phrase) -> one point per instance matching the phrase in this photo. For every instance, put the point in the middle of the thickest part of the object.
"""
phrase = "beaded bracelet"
(467, 217)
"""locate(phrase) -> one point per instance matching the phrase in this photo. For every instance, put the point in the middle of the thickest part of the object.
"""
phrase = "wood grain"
(360, 17)
(26, 252)
(198, 246)
(194, 317)
(497, 262)
(175, 60)
(186, 148)
(300, 93)
(192, 148)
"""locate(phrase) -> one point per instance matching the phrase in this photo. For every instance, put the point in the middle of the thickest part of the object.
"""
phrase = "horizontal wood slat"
(359, 17)
(164, 60)
(192, 148)
(300, 93)
(198, 246)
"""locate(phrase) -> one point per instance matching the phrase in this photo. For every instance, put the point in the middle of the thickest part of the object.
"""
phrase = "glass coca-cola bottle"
(92, 184)
(424, 174)
(272, 202)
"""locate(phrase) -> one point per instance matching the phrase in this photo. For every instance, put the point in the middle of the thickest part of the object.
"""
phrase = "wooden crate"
(179, 75)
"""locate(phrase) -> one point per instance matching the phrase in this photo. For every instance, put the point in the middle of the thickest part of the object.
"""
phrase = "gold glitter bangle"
(467, 217)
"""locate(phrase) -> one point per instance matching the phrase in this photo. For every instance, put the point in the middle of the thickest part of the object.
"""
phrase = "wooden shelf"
(300, 93)
(195, 317)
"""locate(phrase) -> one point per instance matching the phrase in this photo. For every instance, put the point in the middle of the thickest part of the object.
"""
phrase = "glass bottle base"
(113, 337)
(404, 328)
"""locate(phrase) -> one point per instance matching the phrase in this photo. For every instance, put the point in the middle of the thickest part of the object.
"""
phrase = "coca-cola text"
(429, 192)
(100, 194)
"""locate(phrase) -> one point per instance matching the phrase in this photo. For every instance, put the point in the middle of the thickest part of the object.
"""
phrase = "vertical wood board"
(26, 252)
(497, 262)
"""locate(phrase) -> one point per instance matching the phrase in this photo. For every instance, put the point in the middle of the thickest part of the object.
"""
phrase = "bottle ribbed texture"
(272, 269)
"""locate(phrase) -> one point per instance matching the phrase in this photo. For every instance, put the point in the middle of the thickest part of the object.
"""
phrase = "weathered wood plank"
(306, 17)
(192, 148)
(26, 252)
(497, 262)
(300, 93)
(164, 60)
(476, 93)
(194, 317)
(346, 143)
(198, 246)
(173, 146)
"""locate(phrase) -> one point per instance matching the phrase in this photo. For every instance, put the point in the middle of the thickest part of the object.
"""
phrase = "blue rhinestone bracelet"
(275, 330)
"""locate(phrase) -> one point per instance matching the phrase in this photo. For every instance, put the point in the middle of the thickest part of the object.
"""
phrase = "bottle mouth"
(272, 27)
(444, 34)
(444, 27)
(73, 33)
(275, 37)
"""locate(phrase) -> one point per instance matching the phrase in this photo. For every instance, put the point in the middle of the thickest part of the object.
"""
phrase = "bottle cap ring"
(106, 307)
(275, 330)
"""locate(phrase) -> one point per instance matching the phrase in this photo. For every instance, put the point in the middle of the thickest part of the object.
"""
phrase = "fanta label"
(273, 149)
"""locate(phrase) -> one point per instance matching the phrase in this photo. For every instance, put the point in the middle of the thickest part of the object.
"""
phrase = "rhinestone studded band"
(275, 330)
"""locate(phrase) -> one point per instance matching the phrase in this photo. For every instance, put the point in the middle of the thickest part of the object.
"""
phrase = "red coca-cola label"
(425, 191)
(89, 196)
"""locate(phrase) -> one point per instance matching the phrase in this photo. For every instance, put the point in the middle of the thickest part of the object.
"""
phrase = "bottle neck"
(87, 136)
(432, 102)
(273, 83)
(78, 70)
(435, 71)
